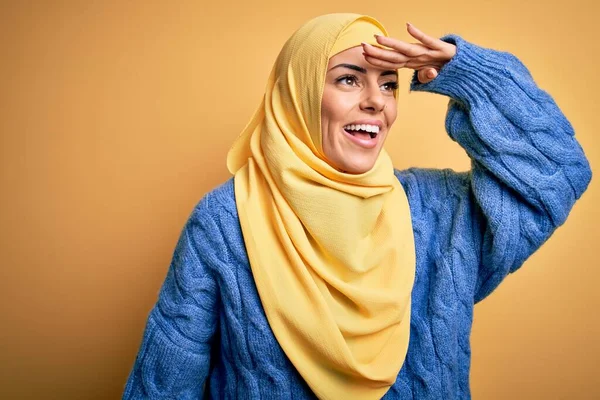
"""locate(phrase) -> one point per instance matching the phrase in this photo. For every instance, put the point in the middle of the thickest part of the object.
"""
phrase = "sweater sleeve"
(174, 357)
(527, 168)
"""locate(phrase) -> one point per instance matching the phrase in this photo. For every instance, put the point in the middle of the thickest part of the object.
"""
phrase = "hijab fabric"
(332, 254)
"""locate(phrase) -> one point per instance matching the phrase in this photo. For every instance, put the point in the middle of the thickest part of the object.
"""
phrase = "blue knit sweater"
(208, 332)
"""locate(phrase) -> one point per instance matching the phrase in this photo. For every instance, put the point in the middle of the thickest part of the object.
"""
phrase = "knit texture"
(208, 335)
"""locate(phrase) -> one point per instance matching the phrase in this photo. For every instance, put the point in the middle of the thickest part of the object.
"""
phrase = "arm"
(174, 358)
(527, 167)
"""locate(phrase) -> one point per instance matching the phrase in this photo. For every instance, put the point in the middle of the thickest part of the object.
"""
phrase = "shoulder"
(214, 222)
(217, 206)
(216, 202)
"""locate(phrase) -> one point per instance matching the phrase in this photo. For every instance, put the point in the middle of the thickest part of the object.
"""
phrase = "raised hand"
(427, 57)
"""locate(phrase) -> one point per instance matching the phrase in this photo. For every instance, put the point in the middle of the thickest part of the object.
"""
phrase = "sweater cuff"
(472, 73)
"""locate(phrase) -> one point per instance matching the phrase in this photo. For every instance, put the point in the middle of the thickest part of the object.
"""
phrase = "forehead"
(353, 55)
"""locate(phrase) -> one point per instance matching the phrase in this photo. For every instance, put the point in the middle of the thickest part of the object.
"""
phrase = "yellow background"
(115, 120)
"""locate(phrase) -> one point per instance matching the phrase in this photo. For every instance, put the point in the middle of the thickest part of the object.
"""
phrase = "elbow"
(584, 177)
(576, 179)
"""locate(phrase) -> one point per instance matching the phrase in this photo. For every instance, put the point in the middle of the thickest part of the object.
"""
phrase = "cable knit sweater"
(208, 335)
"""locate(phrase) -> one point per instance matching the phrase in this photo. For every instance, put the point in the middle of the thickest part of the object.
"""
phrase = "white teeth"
(364, 127)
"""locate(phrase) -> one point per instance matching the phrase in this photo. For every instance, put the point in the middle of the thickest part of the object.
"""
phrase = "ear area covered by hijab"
(332, 254)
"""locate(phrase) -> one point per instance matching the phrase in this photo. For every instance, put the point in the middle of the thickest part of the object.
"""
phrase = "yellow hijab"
(332, 254)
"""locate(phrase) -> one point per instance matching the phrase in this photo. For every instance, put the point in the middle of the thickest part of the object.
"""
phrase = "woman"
(320, 270)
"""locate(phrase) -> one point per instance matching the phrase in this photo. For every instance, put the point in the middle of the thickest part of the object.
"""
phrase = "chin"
(358, 168)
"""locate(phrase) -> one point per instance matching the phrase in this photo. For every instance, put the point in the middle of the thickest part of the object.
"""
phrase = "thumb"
(426, 75)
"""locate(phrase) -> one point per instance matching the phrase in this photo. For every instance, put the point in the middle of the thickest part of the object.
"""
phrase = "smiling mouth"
(362, 131)
(365, 138)
(362, 135)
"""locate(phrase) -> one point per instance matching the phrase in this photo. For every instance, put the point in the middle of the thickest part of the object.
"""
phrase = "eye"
(348, 80)
(390, 86)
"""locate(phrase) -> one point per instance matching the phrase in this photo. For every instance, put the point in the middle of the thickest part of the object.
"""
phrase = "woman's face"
(357, 110)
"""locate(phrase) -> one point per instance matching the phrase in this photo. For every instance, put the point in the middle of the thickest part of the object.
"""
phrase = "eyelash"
(391, 84)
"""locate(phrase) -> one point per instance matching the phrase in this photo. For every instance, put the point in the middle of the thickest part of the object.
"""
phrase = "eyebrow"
(362, 70)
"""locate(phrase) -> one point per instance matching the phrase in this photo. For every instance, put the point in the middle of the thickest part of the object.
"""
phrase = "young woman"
(321, 271)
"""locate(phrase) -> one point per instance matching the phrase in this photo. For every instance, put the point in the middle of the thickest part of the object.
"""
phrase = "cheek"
(391, 112)
(325, 121)
(334, 111)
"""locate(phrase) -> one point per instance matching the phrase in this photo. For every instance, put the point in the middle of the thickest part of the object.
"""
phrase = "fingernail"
(408, 24)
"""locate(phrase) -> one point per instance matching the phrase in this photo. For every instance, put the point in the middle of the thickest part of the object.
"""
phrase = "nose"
(373, 100)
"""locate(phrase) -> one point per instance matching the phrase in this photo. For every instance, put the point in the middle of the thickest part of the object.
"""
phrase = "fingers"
(381, 63)
(393, 58)
(409, 49)
(431, 42)
(446, 50)
(390, 57)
